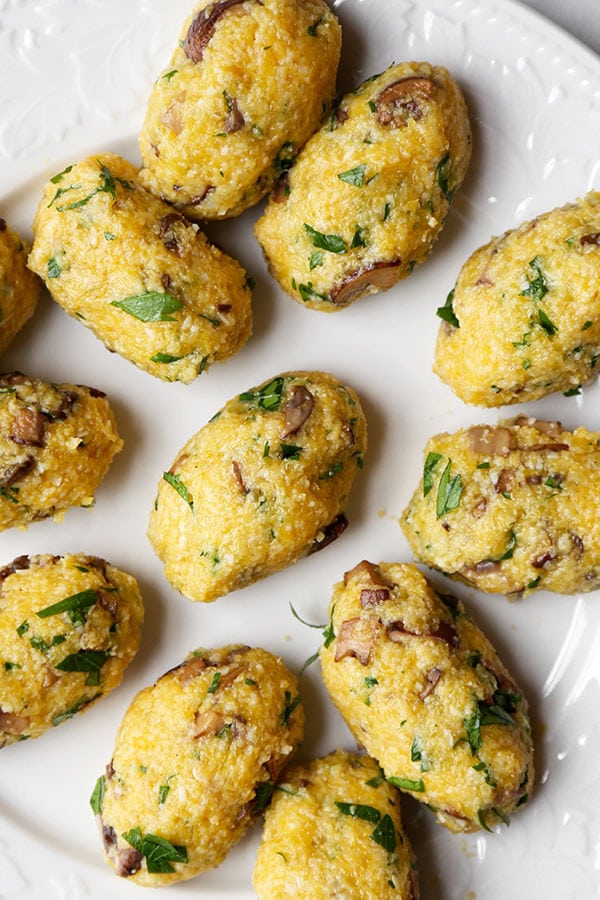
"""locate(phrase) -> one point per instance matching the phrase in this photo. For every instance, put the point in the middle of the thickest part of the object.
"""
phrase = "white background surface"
(74, 77)
(581, 18)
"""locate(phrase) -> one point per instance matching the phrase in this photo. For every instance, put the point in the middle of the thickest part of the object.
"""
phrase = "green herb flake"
(533, 583)
(553, 483)
(428, 469)
(23, 628)
(159, 852)
(176, 483)
(537, 287)
(77, 606)
(109, 236)
(165, 358)
(483, 465)
(449, 492)
(355, 176)
(308, 293)
(547, 324)
(290, 451)
(587, 325)
(88, 661)
(331, 242)
(10, 666)
(214, 683)
(290, 706)
(443, 176)
(384, 834)
(473, 659)
(376, 781)
(407, 784)
(328, 632)
(572, 392)
(151, 306)
(359, 811)
(446, 312)
(69, 713)
(315, 259)
(358, 239)
(262, 793)
(163, 790)
(54, 268)
(57, 178)
(334, 470)
(268, 397)
(387, 208)
(97, 798)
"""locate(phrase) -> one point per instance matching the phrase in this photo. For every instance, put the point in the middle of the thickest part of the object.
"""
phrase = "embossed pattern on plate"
(74, 77)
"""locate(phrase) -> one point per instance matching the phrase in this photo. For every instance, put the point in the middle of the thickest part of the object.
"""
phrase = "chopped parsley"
(537, 287)
(88, 661)
(290, 451)
(446, 312)
(166, 358)
(355, 176)
(547, 324)
(267, 397)
(159, 852)
(97, 798)
(430, 463)
(443, 175)
(214, 683)
(290, 706)
(333, 470)
(407, 784)
(308, 293)
(383, 834)
(54, 268)
(315, 259)
(449, 492)
(151, 306)
(359, 811)
(77, 606)
(176, 483)
(331, 242)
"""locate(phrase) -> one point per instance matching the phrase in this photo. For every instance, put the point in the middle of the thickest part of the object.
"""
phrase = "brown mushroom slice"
(28, 427)
(368, 569)
(551, 427)
(172, 117)
(297, 410)
(590, 240)
(208, 722)
(404, 99)
(398, 632)
(356, 638)
(13, 474)
(373, 596)
(431, 677)
(203, 27)
(21, 562)
(380, 276)
(12, 723)
(489, 440)
(330, 533)
(235, 120)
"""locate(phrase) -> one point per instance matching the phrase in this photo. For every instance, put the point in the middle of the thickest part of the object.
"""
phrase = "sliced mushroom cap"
(404, 99)
(21, 562)
(398, 632)
(235, 120)
(356, 638)
(203, 27)
(550, 427)
(12, 474)
(490, 440)
(208, 722)
(329, 533)
(297, 410)
(28, 427)
(431, 677)
(12, 723)
(379, 276)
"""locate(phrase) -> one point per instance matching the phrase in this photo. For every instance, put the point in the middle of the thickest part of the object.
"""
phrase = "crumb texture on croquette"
(69, 627)
(57, 442)
(425, 693)
(261, 485)
(176, 797)
(523, 319)
(19, 287)
(510, 508)
(369, 194)
(245, 88)
(142, 277)
(334, 829)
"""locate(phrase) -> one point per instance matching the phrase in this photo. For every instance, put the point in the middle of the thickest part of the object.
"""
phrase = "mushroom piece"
(379, 276)
(13, 474)
(28, 428)
(203, 27)
(12, 723)
(404, 99)
(297, 410)
(398, 632)
(329, 533)
(356, 638)
(235, 120)
(431, 677)
(488, 440)
(208, 722)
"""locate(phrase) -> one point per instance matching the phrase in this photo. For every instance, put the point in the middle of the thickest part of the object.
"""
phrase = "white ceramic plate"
(74, 77)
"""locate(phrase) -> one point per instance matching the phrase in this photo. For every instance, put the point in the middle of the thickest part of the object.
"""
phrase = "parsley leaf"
(443, 175)
(151, 306)
(430, 463)
(537, 287)
(449, 492)
(407, 784)
(355, 176)
(97, 797)
(446, 312)
(176, 483)
(384, 834)
(359, 811)
(159, 852)
(331, 242)
(76, 605)
(90, 661)
(267, 397)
